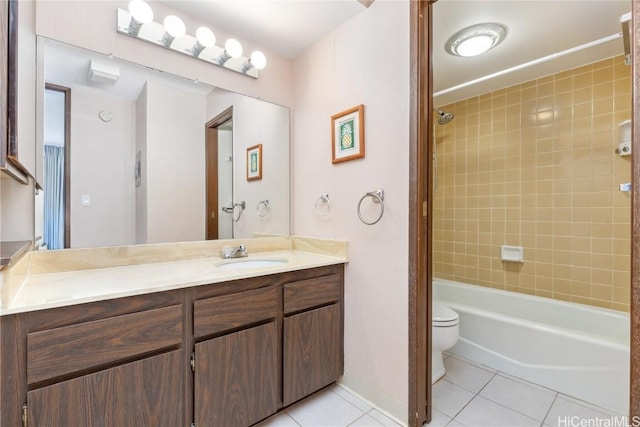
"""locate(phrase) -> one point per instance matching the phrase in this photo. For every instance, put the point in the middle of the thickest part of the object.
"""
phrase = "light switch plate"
(86, 200)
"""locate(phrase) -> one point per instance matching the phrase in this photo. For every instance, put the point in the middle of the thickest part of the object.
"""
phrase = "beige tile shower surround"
(533, 165)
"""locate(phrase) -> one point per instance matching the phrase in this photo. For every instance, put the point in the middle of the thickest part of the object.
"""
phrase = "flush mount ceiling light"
(137, 22)
(476, 39)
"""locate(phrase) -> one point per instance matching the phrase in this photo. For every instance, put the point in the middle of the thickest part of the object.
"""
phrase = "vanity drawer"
(219, 314)
(75, 348)
(311, 293)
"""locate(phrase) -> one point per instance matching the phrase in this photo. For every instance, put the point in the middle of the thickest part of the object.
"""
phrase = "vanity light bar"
(155, 33)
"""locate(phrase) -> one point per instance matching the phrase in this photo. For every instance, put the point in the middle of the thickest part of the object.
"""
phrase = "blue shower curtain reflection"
(54, 196)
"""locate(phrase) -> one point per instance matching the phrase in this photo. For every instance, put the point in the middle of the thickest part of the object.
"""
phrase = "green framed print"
(254, 162)
(347, 137)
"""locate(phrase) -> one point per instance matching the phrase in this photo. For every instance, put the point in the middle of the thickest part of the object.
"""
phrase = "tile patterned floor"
(469, 395)
(474, 395)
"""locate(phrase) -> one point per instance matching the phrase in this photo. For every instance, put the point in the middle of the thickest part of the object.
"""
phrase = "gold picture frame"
(254, 163)
(347, 135)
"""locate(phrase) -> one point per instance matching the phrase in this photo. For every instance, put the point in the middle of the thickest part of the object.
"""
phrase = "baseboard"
(392, 408)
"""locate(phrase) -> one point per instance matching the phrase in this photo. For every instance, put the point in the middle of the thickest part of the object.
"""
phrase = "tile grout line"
(470, 400)
(549, 411)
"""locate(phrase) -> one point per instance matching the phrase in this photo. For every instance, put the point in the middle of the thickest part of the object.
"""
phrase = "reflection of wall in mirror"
(141, 146)
(225, 182)
(102, 155)
(174, 165)
(258, 122)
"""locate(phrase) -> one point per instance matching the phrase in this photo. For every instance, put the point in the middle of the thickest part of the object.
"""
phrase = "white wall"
(141, 146)
(175, 165)
(365, 61)
(225, 183)
(102, 167)
(258, 122)
(92, 25)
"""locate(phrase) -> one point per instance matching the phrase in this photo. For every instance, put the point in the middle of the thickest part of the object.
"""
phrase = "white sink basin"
(252, 263)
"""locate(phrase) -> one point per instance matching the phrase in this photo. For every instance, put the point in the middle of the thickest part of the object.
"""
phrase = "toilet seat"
(443, 316)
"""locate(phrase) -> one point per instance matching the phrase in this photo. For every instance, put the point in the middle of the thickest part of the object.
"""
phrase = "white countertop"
(30, 292)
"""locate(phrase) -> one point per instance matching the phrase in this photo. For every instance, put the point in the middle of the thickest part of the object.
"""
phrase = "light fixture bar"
(153, 32)
(547, 58)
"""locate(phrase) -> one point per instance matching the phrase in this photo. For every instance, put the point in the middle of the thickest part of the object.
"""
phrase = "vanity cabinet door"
(313, 355)
(237, 377)
(142, 393)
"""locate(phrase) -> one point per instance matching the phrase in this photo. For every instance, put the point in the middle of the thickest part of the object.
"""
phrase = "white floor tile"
(438, 419)
(466, 375)
(481, 412)
(449, 398)
(279, 420)
(366, 421)
(454, 423)
(565, 407)
(528, 399)
(324, 409)
(383, 419)
(354, 400)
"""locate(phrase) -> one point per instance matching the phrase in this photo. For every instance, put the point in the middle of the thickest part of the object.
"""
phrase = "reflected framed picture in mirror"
(347, 135)
(254, 163)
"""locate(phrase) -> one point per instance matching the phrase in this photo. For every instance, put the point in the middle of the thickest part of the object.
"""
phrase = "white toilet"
(444, 334)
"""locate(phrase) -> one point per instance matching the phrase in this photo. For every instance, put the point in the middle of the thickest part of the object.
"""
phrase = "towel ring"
(322, 200)
(242, 205)
(265, 210)
(378, 197)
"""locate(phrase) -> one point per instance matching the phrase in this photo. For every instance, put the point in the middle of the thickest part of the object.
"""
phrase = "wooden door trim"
(221, 118)
(67, 159)
(420, 184)
(211, 163)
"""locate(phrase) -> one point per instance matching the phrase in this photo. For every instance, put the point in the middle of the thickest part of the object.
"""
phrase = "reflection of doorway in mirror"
(219, 176)
(56, 230)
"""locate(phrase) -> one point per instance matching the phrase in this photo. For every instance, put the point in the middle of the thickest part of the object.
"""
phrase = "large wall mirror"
(132, 155)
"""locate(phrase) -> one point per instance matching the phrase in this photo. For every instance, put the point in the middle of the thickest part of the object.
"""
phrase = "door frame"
(218, 120)
(67, 159)
(420, 218)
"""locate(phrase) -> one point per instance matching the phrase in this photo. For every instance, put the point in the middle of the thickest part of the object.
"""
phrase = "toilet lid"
(443, 314)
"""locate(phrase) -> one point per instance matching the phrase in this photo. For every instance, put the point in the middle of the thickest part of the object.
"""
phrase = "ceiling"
(536, 28)
(286, 27)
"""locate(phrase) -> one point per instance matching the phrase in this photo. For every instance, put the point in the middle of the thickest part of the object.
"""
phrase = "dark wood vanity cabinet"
(312, 336)
(237, 359)
(141, 393)
(226, 354)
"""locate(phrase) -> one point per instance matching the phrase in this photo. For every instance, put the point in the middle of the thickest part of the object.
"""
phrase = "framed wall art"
(254, 163)
(347, 135)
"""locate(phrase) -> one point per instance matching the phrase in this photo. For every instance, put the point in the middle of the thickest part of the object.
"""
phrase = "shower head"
(444, 118)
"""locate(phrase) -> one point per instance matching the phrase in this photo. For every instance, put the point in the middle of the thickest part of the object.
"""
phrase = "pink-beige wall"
(364, 61)
(102, 158)
(533, 165)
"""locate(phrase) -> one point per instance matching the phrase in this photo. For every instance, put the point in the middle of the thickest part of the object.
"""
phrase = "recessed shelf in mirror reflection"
(161, 116)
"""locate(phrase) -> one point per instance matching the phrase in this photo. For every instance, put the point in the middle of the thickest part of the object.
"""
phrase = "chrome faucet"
(234, 251)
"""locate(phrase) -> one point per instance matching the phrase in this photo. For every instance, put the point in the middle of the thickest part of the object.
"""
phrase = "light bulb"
(233, 48)
(174, 26)
(475, 45)
(258, 60)
(205, 37)
(140, 11)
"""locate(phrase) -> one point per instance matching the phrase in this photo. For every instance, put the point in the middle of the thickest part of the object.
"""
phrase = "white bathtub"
(578, 350)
